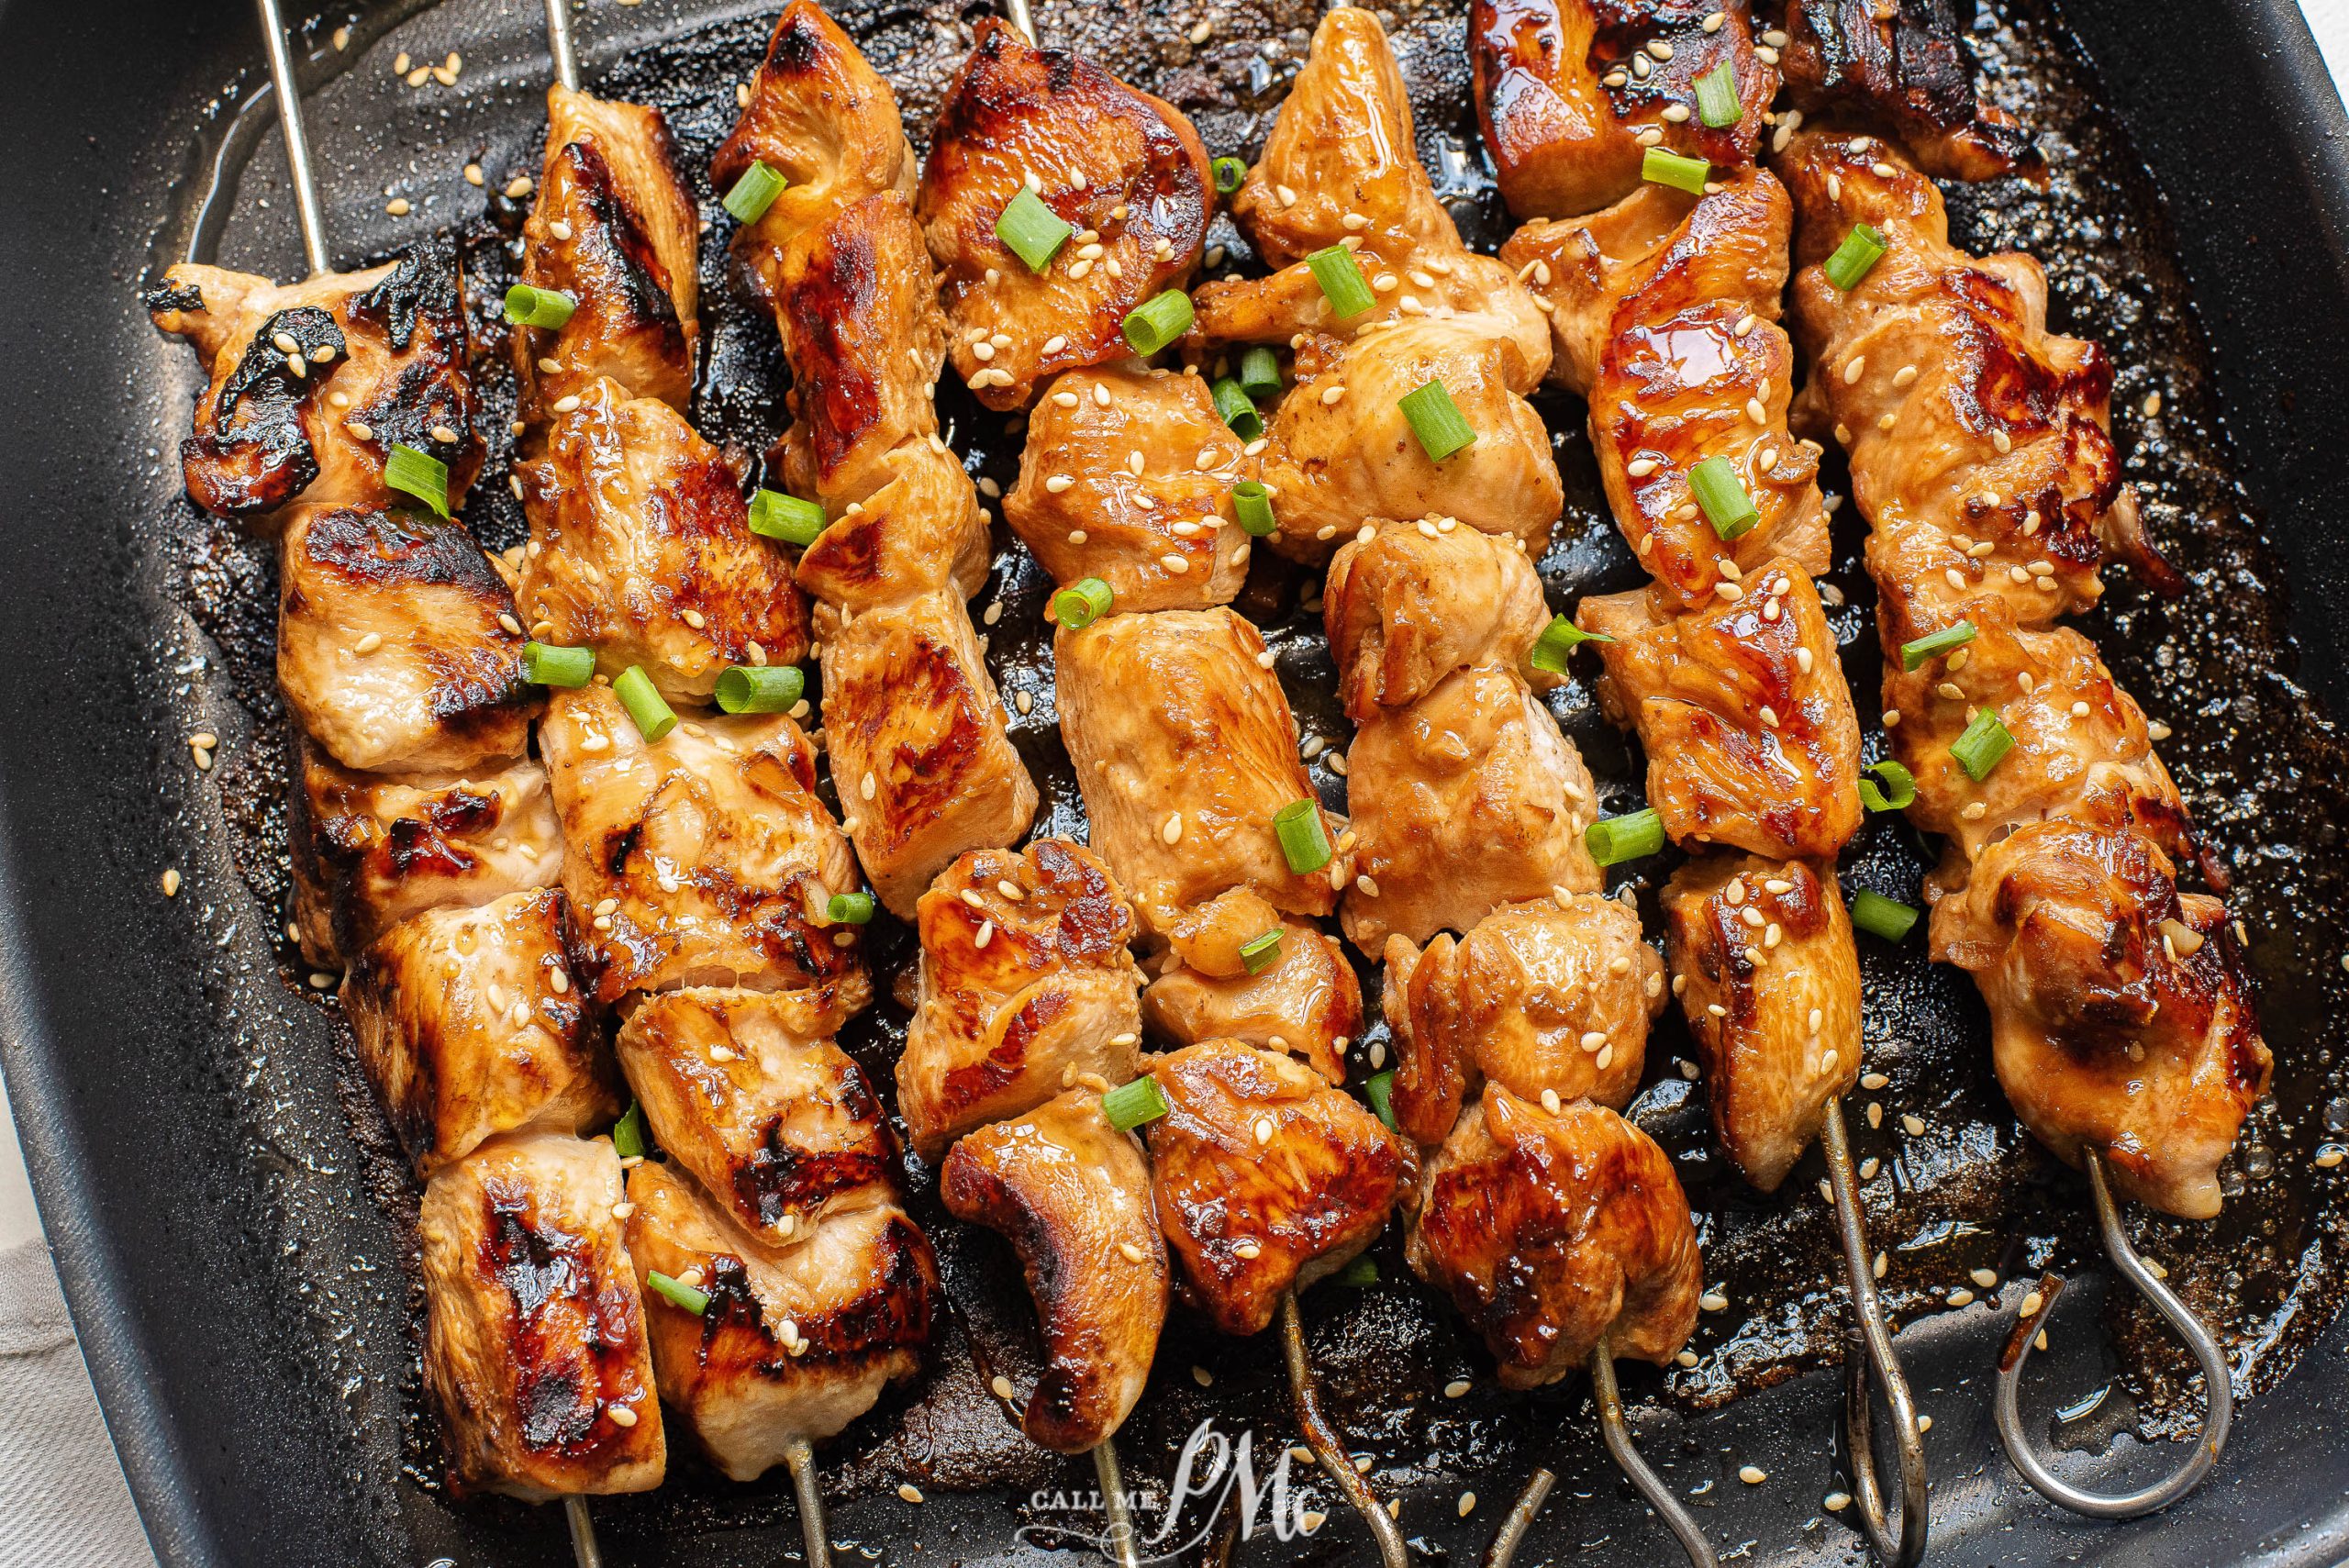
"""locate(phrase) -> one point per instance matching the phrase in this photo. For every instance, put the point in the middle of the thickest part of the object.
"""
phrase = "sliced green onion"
(1950, 638)
(1381, 1090)
(761, 688)
(1726, 504)
(1252, 504)
(1897, 793)
(654, 717)
(1081, 603)
(1717, 102)
(850, 909)
(1238, 411)
(774, 515)
(1879, 916)
(1130, 1104)
(1436, 419)
(1986, 742)
(1614, 839)
(1342, 282)
(1662, 168)
(544, 664)
(1860, 250)
(1304, 841)
(678, 1293)
(629, 1140)
(1260, 953)
(420, 474)
(1360, 1271)
(527, 306)
(1230, 174)
(1260, 373)
(1034, 232)
(755, 192)
(1158, 321)
(1558, 639)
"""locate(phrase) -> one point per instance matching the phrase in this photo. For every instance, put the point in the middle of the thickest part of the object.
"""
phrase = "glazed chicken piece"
(1072, 1195)
(1217, 982)
(1571, 93)
(746, 1091)
(920, 529)
(469, 1026)
(701, 858)
(1553, 1230)
(641, 548)
(1266, 1178)
(1897, 66)
(1026, 987)
(1185, 747)
(313, 383)
(825, 120)
(796, 1342)
(614, 232)
(1550, 999)
(1416, 601)
(1771, 987)
(534, 1342)
(1742, 709)
(1127, 477)
(398, 649)
(2121, 1018)
(1124, 169)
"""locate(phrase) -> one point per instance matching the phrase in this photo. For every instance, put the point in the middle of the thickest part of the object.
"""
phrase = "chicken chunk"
(1550, 1231)
(701, 858)
(1418, 601)
(534, 1343)
(1219, 982)
(469, 1026)
(1897, 66)
(1026, 985)
(1266, 1178)
(1072, 1195)
(398, 649)
(794, 1342)
(1185, 748)
(1124, 169)
(1772, 996)
(921, 530)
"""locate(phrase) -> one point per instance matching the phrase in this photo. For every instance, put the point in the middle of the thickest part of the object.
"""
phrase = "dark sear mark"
(251, 453)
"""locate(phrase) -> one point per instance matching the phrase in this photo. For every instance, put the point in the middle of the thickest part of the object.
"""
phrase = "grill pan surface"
(234, 1239)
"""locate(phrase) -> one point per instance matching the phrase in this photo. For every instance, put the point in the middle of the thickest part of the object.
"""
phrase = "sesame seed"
(1713, 1301)
(1467, 1504)
(170, 884)
(1172, 831)
(909, 1491)
(1913, 1125)
(1836, 1502)
(1751, 1474)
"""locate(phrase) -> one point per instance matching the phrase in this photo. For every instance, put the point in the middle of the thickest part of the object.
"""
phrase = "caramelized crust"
(1304, 1000)
(1897, 66)
(1418, 601)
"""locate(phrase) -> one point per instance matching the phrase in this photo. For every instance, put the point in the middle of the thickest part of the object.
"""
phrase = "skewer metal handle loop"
(297, 139)
(1321, 1436)
(1616, 1432)
(2218, 1380)
(1119, 1543)
(584, 1549)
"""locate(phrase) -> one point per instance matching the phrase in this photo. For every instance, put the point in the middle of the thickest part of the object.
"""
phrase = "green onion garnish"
(788, 517)
(1229, 174)
(1081, 603)
(1860, 250)
(527, 306)
(1947, 639)
(1034, 232)
(761, 688)
(680, 1295)
(754, 193)
(654, 717)
(1897, 793)
(1717, 102)
(1130, 1104)
(848, 909)
(1436, 419)
(1252, 504)
(1342, 282)
(1237, 410)
(1875, 913)
(1261, 952)
(1304, 841)
(1381, 1090)
(544, 664)
(1158, 321)
(420, 474)
(1362, 1272)
(1260, 373)
(628, 1138)
(1614, 839)
(1558, 639)
(1662, 168)
(1985, 740)
(1726, 504)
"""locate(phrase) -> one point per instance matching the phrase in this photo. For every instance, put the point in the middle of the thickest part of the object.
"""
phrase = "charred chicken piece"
(1222, 980)
(1266, 1179)
(1124, 169)
(534, 1344)
(1026, 987)
(1897, 66)
(1072, 1195)
(1415, 601)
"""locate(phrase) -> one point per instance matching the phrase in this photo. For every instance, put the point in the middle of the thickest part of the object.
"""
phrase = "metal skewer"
(1321, 1436)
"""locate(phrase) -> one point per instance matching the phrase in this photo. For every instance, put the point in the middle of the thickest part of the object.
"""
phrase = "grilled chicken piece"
(312, 384)
(1550, 999)
(796, 1342)
(469, 1026)
(1742, 709)
(1185, 747)
(1072, 1195)
(398, 649)
(1026, 985)
(1551, 1230)
(1266, 1179)
(825, 120)
(369, 852)
(1897, 66)
(1466, 800)
(701, 858)
(614, 231)
(1416, 601)
(1127, 477)
(1772, 994)
(534, 1343)
(1301, 998)
(921, 530)
(641, 548)
(1125, 171)
(1571, 93)
(746, 1091)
